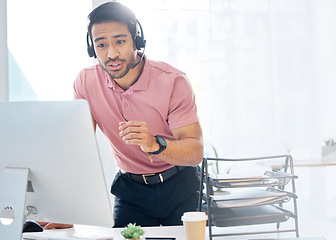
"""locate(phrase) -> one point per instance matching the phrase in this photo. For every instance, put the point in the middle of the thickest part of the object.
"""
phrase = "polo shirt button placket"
(126, 110)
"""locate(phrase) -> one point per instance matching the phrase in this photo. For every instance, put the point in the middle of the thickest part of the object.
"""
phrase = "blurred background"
(264, 71)
(264, 74)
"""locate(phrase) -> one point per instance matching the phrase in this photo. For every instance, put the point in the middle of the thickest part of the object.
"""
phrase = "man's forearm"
(184, 152)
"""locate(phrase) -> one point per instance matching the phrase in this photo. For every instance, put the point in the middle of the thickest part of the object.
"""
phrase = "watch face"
(161, 141)
(162, 144)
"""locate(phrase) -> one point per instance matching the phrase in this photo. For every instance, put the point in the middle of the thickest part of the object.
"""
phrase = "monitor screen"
(65, 182)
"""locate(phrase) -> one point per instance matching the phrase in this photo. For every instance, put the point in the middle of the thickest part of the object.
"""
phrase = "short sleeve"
(182, 108)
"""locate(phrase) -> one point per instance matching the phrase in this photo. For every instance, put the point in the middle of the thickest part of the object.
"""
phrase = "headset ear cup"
(90, 51)
(90, 48)
(140, 42)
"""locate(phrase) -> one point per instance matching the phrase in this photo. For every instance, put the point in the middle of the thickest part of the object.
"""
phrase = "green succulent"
(132, 231)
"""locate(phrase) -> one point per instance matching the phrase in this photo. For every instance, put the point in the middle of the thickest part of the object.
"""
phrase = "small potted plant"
(132, 232)
(329, 150)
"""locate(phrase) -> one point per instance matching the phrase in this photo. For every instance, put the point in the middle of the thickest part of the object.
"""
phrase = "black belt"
(154, 178)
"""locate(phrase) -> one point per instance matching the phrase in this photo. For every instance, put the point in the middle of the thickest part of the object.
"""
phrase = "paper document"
(250, 178)
(251, 197)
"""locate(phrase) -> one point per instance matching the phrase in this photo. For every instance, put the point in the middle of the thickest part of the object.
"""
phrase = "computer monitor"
(50, 169)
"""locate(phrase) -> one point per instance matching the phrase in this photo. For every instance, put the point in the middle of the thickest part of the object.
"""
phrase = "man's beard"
(119, 73)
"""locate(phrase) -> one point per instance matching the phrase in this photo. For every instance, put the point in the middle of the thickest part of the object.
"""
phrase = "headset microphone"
(143, 54)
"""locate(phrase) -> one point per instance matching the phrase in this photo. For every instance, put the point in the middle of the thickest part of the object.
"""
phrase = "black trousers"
(155, 204)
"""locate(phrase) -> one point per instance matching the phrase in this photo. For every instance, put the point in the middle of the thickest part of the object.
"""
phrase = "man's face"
(114, 48)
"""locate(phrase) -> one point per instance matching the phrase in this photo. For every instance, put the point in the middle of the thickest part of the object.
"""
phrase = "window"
(46, 47)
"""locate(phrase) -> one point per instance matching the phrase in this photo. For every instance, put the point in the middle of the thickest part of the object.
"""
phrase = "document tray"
(250, 197)
(228, 217)
(267, 179)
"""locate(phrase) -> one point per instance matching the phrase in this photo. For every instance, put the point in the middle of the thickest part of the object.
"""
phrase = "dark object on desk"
(31, 226)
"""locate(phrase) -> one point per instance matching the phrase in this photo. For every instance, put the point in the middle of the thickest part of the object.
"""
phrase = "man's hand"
(137, 133)
(185, 150)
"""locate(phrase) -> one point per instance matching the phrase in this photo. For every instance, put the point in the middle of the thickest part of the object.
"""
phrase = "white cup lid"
(194, 216)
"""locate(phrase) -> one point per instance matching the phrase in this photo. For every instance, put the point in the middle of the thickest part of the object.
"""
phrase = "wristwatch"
(162, 144)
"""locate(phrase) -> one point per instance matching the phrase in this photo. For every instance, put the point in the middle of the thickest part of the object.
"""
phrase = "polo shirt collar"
(141, 84)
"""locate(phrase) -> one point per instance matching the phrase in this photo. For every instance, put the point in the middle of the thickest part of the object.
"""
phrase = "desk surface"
(105, 233)
(173, 231)
(276, 164)
(314, 163)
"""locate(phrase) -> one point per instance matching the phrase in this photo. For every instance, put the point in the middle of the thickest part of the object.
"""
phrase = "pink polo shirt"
(162, 97)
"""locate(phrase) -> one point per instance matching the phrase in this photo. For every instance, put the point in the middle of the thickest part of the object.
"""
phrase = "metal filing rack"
(263, 202)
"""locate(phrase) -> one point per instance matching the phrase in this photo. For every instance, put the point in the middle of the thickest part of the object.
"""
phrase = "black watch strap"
(162, 144)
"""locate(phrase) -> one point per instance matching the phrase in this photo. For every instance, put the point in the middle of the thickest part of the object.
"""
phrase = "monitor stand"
(13, 188)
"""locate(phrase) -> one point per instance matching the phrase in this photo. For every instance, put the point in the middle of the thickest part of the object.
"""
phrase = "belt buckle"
(146, 175)
(152, 174)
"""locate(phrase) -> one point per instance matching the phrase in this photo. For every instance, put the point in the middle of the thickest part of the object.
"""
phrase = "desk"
(173, 231)
(276, 164)
(82, 230)
(314, 163)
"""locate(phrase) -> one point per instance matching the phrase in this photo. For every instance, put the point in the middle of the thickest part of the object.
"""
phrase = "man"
(147, 111)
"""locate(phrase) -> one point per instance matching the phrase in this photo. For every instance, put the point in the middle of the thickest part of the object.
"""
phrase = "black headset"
(140, 42)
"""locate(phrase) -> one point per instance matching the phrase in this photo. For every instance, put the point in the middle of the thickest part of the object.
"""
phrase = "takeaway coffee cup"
(194, 225)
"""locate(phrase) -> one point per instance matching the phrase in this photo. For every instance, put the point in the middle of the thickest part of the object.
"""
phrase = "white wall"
(3, 51)
(263, 70)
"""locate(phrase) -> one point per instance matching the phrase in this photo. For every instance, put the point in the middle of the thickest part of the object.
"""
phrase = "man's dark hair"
(113, 11)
